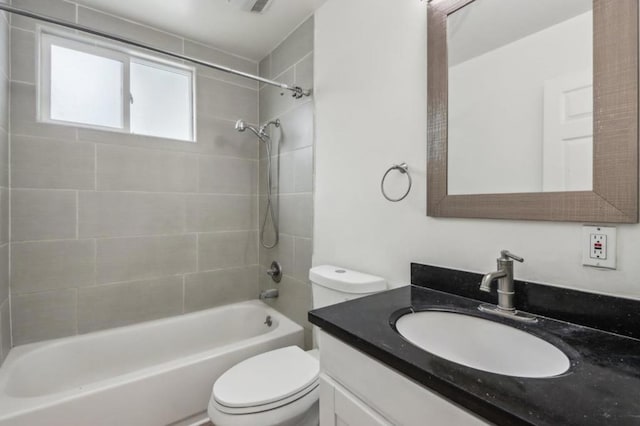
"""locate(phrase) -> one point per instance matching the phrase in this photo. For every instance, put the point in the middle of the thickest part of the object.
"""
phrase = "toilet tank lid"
(345, 280)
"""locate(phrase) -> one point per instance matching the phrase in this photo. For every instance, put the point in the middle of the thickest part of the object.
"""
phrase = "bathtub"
(155, 373)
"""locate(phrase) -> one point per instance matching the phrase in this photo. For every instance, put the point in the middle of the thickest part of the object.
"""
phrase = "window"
(105, 87)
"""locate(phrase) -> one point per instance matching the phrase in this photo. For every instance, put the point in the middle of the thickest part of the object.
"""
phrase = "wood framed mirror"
(607, 164)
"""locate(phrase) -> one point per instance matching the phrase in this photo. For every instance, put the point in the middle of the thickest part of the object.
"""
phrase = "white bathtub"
(155, 373)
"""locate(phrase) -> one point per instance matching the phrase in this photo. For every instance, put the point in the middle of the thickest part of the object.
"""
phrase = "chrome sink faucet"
(506, 290)
(504, 275)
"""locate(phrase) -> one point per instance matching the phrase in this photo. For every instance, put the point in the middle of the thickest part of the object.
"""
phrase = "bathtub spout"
(269, 294)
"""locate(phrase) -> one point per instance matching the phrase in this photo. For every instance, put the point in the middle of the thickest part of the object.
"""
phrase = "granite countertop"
(602, 386)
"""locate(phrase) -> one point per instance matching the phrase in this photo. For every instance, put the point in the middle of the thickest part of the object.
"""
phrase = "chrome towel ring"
(402, 168)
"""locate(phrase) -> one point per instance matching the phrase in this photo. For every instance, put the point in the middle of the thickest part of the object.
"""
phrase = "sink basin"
(482, 344)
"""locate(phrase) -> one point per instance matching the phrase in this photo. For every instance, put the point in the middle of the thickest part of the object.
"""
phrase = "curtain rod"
(298, 92)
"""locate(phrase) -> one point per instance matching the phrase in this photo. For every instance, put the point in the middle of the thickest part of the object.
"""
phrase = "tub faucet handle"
(275, 272)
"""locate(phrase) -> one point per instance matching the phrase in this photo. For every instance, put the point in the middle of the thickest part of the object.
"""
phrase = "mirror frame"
(614, 197)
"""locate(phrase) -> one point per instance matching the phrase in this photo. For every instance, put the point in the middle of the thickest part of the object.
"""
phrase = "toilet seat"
(266, 381)
(265, 407)
(301, 412)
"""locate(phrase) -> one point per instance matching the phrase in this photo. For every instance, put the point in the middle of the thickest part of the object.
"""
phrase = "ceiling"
(220, 23)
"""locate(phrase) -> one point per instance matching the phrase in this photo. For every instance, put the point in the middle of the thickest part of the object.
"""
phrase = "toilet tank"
(332, 284)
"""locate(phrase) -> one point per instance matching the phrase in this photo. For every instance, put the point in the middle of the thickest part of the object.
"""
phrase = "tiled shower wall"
(110, 229)
(291, 61)
(5, 320)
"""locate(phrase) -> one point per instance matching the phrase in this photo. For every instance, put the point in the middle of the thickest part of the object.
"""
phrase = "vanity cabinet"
(357, 390)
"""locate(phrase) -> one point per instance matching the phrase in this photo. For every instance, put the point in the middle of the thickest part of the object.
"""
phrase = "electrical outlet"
(599, 248)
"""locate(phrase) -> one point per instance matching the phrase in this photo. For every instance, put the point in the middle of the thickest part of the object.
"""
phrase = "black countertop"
(602, 386)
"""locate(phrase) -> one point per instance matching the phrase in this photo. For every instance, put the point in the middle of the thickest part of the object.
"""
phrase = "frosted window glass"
(161, 102)
(86, 88)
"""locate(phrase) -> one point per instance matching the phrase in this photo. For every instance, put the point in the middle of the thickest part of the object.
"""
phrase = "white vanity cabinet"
(356, 390)
(339, 407)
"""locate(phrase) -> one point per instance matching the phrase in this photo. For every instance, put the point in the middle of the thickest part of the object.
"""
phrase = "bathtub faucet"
(272, 293)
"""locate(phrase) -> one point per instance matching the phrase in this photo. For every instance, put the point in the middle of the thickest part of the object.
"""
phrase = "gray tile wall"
(291, 61)
(5, 71)
(111, 229)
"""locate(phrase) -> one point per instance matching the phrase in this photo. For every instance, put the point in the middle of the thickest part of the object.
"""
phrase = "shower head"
(264, 137)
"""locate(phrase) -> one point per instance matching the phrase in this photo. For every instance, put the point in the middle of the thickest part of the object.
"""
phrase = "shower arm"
(298, 92)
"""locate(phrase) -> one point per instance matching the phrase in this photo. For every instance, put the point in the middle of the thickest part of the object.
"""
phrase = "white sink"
(482, 344)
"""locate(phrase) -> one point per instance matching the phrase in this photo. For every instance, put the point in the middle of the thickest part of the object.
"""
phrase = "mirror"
(533, 109)
(520, 94)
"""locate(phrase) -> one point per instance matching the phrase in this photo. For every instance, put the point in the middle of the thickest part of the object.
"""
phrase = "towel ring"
(402, 168)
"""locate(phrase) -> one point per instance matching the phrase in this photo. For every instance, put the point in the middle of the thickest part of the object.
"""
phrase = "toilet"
(280, 387)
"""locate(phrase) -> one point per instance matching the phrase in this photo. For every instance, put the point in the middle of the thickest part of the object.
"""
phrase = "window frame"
(48, 37)
(167, 66)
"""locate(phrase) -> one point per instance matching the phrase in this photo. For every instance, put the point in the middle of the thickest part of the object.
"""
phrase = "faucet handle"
(506, 254)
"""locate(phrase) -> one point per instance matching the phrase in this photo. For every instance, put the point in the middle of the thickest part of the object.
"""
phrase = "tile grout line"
(295, 73)
(229, 82)
(198, 183)
(9, 183)
(294, 64)
(184, 290)
(76, 313)
(142, 192)
(95, 167)
(79, 140)
(95, 261)
(197, 252)
(293, 256)
(77, 215)
(287, 36)
(258, 147)
(138, 236)
(289, 110)
(135, 281)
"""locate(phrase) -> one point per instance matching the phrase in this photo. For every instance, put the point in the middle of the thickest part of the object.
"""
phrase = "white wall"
(370, 82)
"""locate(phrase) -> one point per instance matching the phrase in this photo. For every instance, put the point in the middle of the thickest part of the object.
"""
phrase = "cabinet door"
(339, 407)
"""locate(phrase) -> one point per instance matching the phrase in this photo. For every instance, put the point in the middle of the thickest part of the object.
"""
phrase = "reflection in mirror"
(520, 97)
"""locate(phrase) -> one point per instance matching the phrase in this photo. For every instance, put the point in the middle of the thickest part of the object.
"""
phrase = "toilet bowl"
(280, 387)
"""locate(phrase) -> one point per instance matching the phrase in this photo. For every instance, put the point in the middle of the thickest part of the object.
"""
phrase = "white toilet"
(280, 387)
